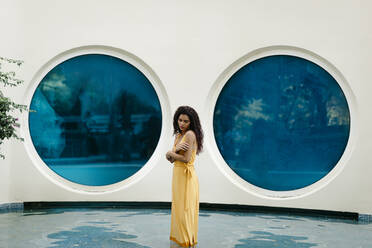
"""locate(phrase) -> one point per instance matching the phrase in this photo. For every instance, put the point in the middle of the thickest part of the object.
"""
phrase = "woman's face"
(183, 122)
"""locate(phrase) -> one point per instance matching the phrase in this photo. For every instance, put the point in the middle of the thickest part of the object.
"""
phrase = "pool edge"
(11, 207)
(203, 206)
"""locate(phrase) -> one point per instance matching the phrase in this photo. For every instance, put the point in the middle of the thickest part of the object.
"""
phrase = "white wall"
(188, 45)
(10, 46)
(5, 175)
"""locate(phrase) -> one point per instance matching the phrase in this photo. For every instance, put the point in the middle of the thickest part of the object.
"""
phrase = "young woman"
(185, 186)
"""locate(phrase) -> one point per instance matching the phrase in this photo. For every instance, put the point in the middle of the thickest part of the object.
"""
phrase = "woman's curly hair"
(194, 124)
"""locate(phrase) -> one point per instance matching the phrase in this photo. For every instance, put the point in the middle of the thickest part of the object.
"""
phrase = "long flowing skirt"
(185, 206)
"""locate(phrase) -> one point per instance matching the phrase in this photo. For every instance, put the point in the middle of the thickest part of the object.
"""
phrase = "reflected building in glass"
(97, 119)
(281, 122)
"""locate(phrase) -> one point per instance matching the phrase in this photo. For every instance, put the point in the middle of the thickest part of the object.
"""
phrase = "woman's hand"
(183, 146)
(169, 157)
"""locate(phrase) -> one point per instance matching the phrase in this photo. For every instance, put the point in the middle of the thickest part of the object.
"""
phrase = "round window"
(96, 119)
(281, 122)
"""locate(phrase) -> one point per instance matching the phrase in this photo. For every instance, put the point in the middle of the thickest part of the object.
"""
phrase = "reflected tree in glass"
(281, 122)
(97, 119)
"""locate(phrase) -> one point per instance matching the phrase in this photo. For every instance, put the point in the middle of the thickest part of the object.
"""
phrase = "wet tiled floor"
(139, 228)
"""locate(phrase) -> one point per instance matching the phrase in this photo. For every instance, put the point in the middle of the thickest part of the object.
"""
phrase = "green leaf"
(9, 123)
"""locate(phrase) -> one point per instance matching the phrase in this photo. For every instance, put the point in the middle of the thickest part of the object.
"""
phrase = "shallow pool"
(139, 228)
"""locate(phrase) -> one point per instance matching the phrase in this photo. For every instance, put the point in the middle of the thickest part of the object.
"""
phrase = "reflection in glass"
(97, 119)
(281, 122)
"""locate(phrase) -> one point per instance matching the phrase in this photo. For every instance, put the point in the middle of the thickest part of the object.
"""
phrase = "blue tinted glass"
(281, 122)
(97, 119)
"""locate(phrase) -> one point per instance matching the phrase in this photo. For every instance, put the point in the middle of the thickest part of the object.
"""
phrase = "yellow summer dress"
(185, 202)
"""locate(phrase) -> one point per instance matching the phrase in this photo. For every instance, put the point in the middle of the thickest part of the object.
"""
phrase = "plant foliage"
(9, 123)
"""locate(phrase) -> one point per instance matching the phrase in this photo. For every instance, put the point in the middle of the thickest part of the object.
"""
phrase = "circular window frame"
(215, 91)
(128, 57)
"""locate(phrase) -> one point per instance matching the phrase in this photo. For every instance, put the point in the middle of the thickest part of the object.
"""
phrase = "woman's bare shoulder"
(190, 134)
